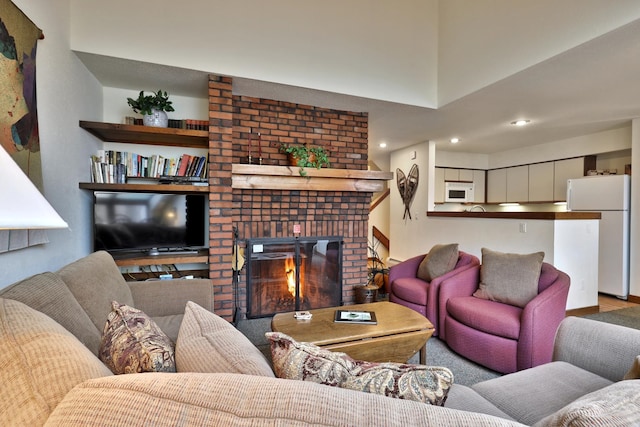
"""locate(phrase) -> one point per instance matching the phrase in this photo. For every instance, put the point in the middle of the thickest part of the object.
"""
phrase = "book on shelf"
(191, 124)
(355, 316)
(109, 166)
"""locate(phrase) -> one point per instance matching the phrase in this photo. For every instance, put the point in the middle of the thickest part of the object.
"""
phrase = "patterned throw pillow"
(307, 362)
(440, 260)
(132, 342)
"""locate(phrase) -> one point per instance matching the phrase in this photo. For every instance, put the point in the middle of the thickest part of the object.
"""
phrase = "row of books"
(174, 123)
(115, 167)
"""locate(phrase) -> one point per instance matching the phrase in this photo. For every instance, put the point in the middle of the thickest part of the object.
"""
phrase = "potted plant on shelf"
(304, 156)
(152, 107)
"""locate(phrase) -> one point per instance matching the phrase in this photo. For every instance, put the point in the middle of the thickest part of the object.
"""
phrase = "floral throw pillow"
(307, 362)
(132, 342)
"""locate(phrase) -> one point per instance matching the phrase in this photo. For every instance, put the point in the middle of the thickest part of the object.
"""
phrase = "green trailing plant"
(304, 156)
(146, 103)
(377, 271)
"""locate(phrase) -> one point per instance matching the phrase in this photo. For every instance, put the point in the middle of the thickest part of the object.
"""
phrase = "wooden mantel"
(263, 177)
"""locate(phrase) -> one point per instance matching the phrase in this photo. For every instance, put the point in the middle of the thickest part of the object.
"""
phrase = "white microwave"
(458, 192)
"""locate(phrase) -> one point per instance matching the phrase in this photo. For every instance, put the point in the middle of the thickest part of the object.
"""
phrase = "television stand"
(164, 257)
(172, 251)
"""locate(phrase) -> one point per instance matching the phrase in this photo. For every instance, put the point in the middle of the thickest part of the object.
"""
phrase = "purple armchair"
(408, 290)
(503, 337)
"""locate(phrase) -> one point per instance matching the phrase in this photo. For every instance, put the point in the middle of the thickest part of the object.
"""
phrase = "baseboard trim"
(583, 311)
(633, 298)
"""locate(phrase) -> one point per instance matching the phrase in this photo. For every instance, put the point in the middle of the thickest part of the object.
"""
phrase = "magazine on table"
(356, 316)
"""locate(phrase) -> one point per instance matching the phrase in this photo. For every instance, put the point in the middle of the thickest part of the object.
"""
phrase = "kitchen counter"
(518, 215)
(569, 241)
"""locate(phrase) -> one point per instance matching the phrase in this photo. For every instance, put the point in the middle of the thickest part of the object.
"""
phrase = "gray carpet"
(629, 317)
(438, 354)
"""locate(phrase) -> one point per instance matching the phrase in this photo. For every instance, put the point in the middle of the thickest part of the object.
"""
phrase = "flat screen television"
(148, 222)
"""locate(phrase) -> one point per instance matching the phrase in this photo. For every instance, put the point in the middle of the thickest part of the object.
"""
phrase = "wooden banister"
(379, 199)
(384, 240)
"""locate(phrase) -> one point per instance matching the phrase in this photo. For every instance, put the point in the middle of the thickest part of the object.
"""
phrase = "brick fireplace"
(274, 212)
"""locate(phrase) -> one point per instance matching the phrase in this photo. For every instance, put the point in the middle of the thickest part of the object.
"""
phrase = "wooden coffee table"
(399, 334)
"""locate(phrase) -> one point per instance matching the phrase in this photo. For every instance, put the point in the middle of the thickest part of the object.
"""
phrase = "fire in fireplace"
(292, 274)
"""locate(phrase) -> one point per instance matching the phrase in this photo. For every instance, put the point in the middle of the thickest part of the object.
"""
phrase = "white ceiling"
(590, 88)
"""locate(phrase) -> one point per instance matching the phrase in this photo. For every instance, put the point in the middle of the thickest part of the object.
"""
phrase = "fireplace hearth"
(292, 274)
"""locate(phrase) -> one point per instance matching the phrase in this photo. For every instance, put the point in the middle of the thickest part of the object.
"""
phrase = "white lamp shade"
(22, 206)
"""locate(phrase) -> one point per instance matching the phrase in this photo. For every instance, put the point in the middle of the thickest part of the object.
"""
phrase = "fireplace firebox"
(292, 274)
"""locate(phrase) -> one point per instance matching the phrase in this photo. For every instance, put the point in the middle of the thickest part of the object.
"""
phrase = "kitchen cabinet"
(479, 185)
(451, 174)
(439, 185)
(518, 184)
(497, 185)
(476, 176)
(537, 182)
(541, 182)
(567, 169)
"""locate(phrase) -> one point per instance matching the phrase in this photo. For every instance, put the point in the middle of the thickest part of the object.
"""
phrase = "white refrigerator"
(609, 195)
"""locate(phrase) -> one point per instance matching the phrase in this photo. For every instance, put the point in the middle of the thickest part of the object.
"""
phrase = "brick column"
(221, 193)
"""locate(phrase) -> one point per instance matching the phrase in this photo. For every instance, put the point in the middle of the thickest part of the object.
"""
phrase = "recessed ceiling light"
(520, 122)
(383, 145)
(455, 140)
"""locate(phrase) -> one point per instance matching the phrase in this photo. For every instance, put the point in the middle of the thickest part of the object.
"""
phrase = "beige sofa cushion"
(617, 405)
(40, 362)
(208, 343)
(47, 293)
(95, 281)
(196, 399)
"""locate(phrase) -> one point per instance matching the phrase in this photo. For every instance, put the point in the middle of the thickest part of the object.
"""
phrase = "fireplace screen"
(287, 274)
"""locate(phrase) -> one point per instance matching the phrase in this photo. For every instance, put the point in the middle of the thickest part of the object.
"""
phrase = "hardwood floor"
(609, 303)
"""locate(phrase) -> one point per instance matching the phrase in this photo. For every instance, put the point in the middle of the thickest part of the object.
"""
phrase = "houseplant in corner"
(304, 156)
(152, 107)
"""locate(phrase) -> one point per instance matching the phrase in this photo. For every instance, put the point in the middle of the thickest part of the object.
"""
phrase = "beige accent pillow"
(307, 362)
(617, 405)
(132, 342)
(40, 362)
(208, 343)
(440, 260)
(634, 372)
(509, 278)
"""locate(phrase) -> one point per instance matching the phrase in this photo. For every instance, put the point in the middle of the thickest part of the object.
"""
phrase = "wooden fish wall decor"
(407, 186)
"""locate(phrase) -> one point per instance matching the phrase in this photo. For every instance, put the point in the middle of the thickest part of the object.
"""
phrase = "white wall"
(408, 235)
(66, 94)
(601, 142)
(571, 246)
(634, 257)
(115, 109)
(454, 159)
(382, 50)
(510, 36)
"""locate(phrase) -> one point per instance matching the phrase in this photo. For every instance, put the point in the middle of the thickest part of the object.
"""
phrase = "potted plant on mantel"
(153, 108)
(304, 156)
